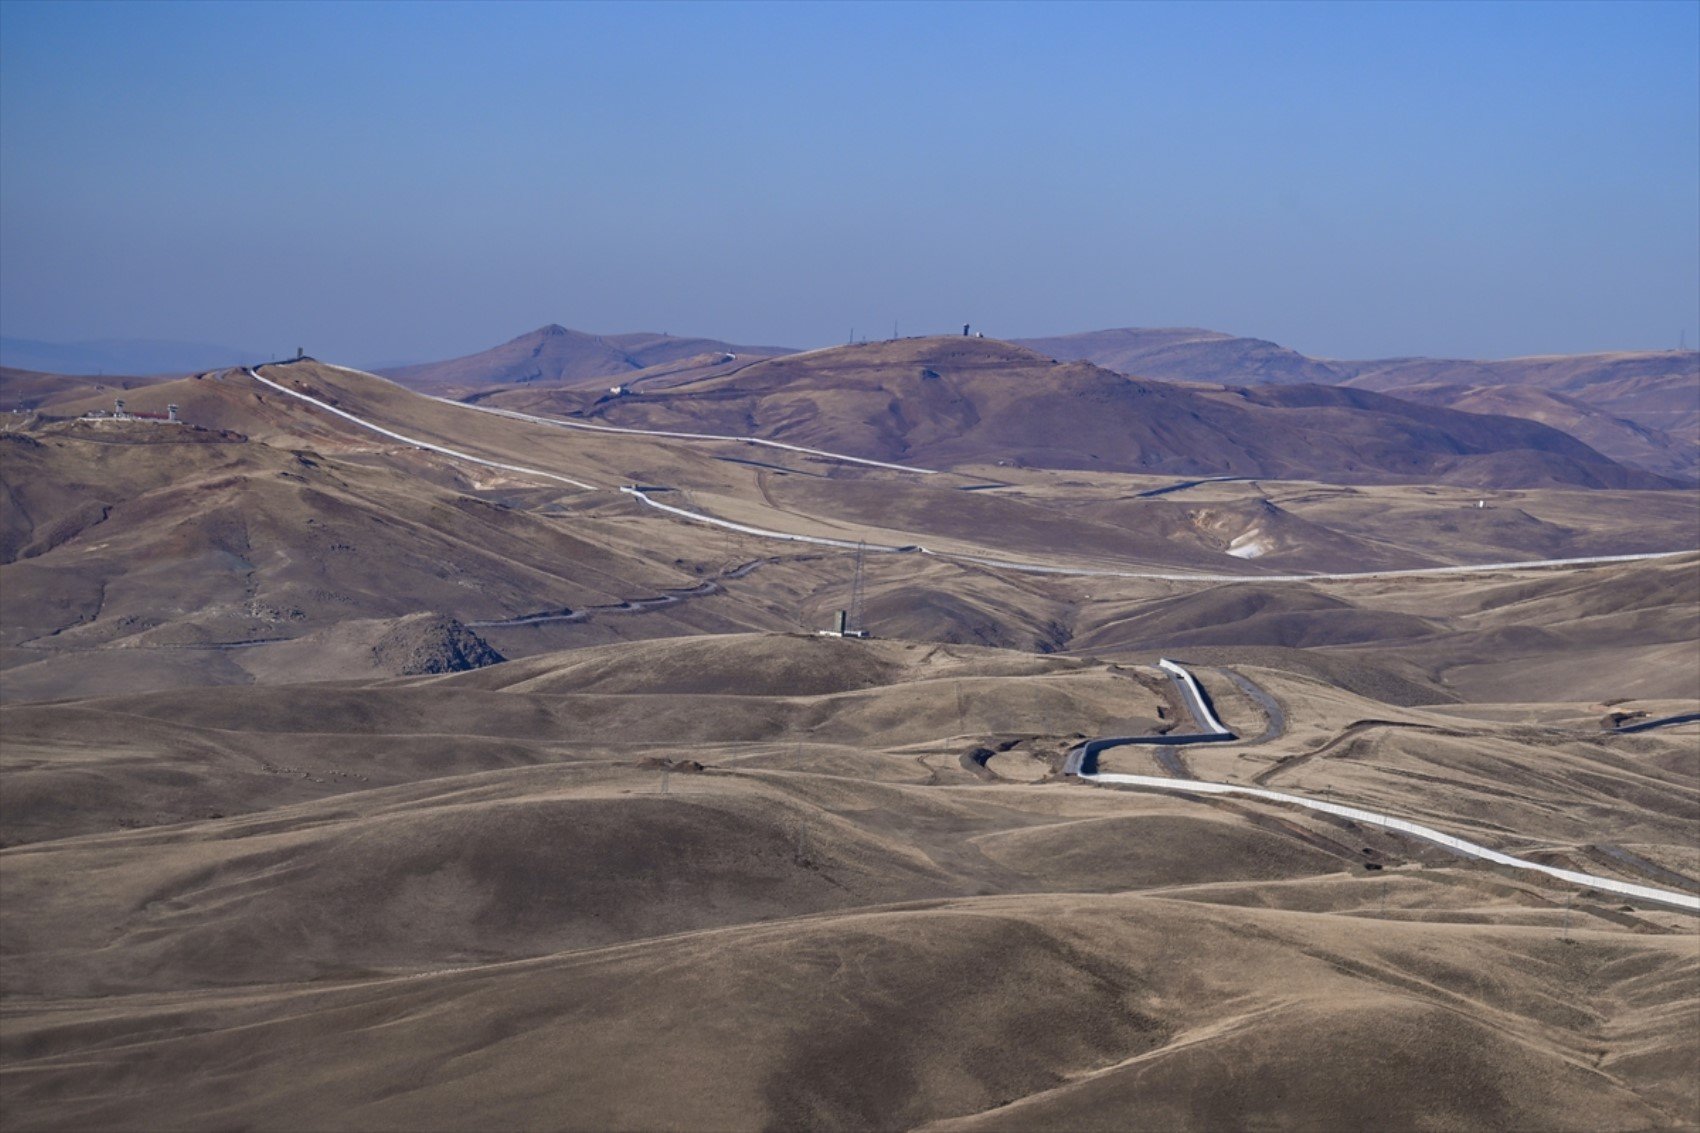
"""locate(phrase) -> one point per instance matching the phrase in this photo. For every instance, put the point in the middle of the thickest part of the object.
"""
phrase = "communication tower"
(848, 621)
(856, 593)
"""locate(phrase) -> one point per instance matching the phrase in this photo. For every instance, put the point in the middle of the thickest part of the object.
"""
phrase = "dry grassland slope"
(948, 401)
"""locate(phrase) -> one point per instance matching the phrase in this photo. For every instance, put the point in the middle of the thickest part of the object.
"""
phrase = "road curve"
(1196, 700)
(953, 556)
(1275, 718)
(1649, 893)
(1081, 759)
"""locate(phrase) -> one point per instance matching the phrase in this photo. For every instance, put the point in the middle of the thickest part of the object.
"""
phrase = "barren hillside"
(1639, 407)
(947, 401)
(612, 855)
(554, 355)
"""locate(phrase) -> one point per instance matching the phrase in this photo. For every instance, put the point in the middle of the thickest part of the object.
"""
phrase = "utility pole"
(664, 773)
(1566, 936)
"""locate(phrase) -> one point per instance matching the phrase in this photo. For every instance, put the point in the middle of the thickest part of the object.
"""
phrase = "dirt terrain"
(347, 783)
(149, 556)
(947, 401)
(554, 355)
(1642, 407)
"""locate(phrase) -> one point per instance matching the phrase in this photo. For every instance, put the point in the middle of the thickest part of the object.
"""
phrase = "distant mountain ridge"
(950, 401)
(137, 356)
(1642, 407)
(555, 355)
(1188, 354)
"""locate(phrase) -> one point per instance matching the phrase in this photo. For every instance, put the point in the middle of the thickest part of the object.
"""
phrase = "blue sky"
(383, 182)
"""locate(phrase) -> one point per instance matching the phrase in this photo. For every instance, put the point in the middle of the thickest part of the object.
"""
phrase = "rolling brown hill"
(755, 881)
(267, 540)
(1639, 407)
(139, 555)
(554, 355)
(33, 389)
(1659, 389)
(1620, 438)
(1188, 354)
(286, 843)
(946, 401)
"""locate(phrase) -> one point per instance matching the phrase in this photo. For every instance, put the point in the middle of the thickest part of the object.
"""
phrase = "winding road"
(1082, 759)
(979, 560)
(1083, 756)
(1675, 900)
(1080, 762)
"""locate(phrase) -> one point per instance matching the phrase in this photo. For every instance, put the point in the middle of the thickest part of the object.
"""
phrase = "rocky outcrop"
(432, 643)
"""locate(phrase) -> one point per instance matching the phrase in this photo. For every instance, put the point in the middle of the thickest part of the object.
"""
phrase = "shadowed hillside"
(1639, 407)
(770, 872)
(946, 401)
(1187, 354)
(554, 355)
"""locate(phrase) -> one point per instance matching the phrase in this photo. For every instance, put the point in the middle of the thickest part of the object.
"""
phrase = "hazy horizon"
(398, 182)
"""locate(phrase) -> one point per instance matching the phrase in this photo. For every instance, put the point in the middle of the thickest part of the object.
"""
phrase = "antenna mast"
(856, 589)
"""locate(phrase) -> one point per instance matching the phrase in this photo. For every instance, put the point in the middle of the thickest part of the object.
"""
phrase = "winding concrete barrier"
(1409, 572)
(1196, 699)
(1662, 722)
(1080, 761)
(414, 441)
(953, 556)
(766, 533)
(562, 423)
(1469, 849)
